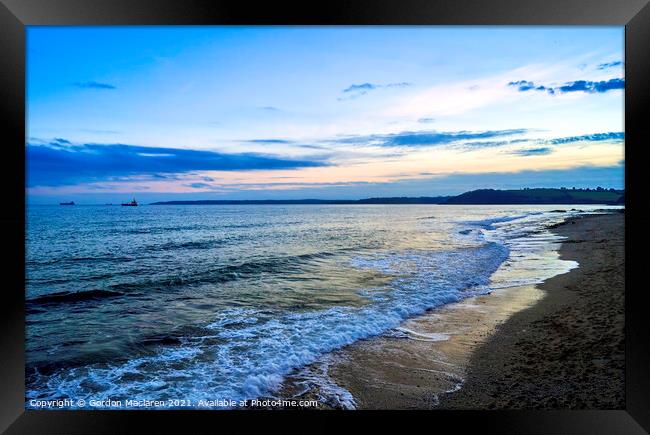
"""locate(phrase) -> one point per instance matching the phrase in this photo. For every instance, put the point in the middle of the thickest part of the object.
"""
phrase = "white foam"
(423, 336)
(260, 348)
(315, 378)
(257, 349)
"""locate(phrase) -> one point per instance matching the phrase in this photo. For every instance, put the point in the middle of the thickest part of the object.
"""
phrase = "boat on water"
(67, 203)
(133, 203)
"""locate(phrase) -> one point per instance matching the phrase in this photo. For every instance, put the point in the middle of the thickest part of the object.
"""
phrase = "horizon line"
(340, 200)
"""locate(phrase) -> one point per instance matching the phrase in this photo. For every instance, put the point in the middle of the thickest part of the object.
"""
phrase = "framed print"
(215, 211)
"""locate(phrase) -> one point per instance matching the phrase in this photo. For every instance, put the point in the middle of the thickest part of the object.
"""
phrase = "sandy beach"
(555, 345)
(568, 350)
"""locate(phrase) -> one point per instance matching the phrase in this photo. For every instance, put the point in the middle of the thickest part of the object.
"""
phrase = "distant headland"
(598, 195)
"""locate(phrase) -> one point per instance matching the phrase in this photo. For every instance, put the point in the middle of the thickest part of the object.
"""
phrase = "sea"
(192, 304)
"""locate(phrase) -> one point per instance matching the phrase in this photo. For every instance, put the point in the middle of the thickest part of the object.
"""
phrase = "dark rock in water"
(558, 211)
(465, 232)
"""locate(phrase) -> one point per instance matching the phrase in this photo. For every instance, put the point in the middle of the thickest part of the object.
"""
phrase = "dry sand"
(555, 345)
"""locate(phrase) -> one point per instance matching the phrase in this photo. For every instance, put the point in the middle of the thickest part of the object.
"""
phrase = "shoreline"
(567, 351)
(553, 345)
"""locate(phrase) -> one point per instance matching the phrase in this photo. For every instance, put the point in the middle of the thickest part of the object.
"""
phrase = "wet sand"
(555, 345)
(568, 350)
(413, 371)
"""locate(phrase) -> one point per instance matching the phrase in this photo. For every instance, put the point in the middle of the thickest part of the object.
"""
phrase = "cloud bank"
(56, 165)
(576, 86)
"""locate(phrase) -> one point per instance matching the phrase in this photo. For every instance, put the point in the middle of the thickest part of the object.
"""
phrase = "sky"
(275, 112)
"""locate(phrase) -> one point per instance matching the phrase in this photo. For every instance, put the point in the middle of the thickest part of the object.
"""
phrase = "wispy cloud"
(272, 185)
(533, 151)
(456, 97)
(432, 184)
(270, 108)
(474, 140)
(312, 147)
(575, 86)
(525, 85)
(364, 87)
(269, 141)
(199, 185)
(55, 165)
(474, 145)
(595, 137)
(589, 138)
(609, 64)
(426, 120)
(94, 85)
(355, 91)
(164, 176)
(292, 143)
(92, 130)
(428, 138)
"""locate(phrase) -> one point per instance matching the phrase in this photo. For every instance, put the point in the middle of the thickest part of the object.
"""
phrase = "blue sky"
(320, 112)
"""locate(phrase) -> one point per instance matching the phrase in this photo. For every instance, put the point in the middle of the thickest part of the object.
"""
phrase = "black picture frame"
(16, 14)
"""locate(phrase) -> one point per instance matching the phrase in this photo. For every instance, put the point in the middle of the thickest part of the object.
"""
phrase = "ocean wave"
(222, 274)
(419, 336)
(315, 378)
(76, 277)
(86, 259)
(160, 229)
(186, 245)
(218, 275)
(533, 248)
(246, 351)
(489, 223)
(167, 229)
(258, 349)
(160, 339)
(68, 297)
